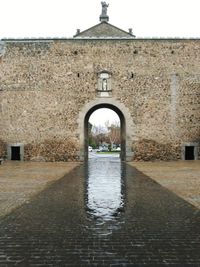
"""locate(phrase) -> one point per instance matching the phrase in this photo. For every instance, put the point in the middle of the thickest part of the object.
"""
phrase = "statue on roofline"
(104, 8)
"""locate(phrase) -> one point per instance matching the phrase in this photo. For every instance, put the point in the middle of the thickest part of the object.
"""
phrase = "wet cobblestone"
(149, 226)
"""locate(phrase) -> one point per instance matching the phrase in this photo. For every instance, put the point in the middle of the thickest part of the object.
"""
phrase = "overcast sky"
(100, 116)
(61, 18)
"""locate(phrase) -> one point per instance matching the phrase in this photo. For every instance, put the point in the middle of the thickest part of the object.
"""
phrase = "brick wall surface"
(45, 84)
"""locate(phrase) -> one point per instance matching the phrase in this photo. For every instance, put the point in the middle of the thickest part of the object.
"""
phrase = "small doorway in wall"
(15, 153)
(189, 153)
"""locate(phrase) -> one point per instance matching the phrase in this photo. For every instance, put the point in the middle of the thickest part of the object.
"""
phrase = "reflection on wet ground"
(102, 214)
(104, 188)
(105, 192)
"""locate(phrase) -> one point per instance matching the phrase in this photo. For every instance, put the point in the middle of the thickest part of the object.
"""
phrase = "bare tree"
(99, 134)
(113, 132)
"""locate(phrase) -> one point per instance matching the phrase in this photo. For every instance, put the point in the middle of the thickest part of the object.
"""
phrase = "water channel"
(105, 192)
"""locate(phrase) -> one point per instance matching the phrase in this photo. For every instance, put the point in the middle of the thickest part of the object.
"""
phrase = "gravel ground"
(180, 177)
(19, 181)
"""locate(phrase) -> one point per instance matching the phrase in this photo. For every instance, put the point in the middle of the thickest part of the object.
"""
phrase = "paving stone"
(153, 228)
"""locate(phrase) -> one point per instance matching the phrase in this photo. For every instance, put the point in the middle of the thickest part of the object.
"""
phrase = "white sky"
(61, 18)
(100, 116)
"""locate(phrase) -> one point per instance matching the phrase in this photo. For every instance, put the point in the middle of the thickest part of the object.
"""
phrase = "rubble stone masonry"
(44, 85)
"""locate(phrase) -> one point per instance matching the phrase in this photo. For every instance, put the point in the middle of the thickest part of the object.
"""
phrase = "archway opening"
(105, 130)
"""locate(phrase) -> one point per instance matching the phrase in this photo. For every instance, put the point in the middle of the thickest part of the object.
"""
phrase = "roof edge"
(99, 39)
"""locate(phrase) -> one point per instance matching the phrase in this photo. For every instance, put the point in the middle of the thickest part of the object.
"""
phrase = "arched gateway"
(127, 129)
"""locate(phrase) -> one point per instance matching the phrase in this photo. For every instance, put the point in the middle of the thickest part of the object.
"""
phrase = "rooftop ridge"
(47, 39)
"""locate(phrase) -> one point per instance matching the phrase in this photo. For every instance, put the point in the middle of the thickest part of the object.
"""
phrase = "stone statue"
(104, 8)
(104, 85)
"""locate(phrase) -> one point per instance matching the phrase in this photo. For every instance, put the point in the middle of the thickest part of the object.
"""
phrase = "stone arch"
(127, 127)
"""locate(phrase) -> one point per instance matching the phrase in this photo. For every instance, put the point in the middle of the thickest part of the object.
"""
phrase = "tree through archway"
(104, 130)
(108, 132)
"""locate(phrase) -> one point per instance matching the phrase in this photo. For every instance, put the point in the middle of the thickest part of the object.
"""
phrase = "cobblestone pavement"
(102, 214)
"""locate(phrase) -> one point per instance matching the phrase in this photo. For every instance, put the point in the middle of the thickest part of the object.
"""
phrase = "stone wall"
(52, 150)
(44, 85)
(2, 149)
(150, 150)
